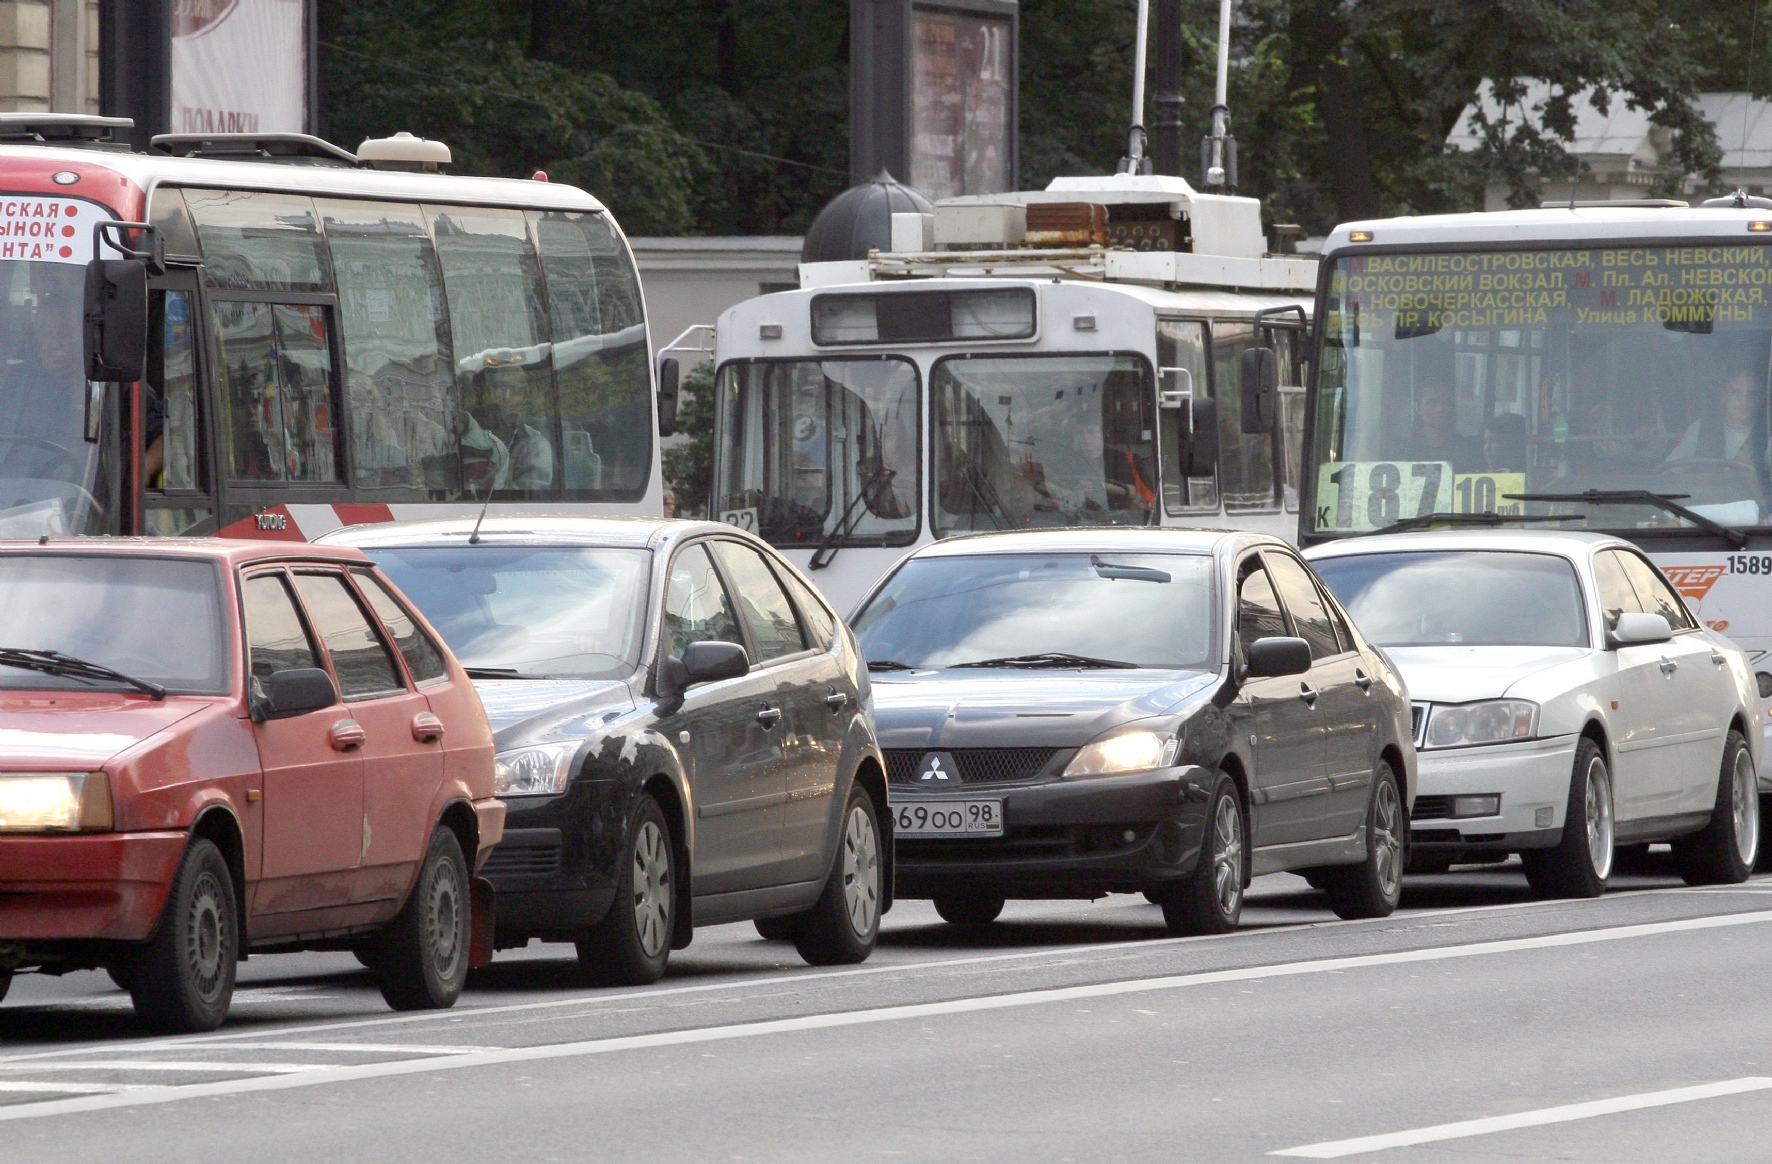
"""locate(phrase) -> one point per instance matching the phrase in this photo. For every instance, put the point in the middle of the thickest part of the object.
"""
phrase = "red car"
(210, 747)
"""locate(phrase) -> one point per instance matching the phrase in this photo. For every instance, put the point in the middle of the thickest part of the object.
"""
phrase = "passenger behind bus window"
(1434, 435)
(1504, 443)
(1733, 429)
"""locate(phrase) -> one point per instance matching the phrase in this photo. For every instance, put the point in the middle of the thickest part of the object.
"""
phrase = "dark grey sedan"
(1172, 712)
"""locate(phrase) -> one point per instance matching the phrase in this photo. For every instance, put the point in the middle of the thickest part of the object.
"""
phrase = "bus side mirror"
(667, 397)
(116, 320)
(1199, 447)
(1259, 379)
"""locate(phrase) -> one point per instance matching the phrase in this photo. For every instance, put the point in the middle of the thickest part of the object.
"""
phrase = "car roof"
(1568, 543)
(1095, 539)
(529, 530)
(231, 551)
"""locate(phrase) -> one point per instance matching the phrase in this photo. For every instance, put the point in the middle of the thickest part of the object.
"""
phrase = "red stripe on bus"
(363, 514)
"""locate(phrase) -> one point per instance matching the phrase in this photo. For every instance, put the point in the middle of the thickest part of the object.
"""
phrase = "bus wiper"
(888, 665)
(1669, 502)
(1055, 659)
(833, 541)
(68, 667)
(1422, 520)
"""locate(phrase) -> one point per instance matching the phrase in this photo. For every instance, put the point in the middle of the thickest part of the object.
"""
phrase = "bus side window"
(399, 383)
(279, 391)
(601, 368)
(1181, 343)
(1245, 460)
(1291, 428)
(508, 424)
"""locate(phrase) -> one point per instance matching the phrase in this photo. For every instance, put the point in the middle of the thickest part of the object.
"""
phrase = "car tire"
(182, 978)
(778, 929)
(632, 944)
(1374, 886)
(1424, 865)
(421, 960)
(1210, 900)
(1582, 862)
(1154, 896)
(365, 956)
(1316, 878)
(5, 983)
(969, 911)
(1724, 851)
(842, 928)
(118, 973)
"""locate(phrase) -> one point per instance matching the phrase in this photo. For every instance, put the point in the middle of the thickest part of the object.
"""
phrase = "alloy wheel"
(205, 930)
(861, 871)
(1387, 844)
(1744, 803)
(652, 888)
(1598, 813)
(1227, 857)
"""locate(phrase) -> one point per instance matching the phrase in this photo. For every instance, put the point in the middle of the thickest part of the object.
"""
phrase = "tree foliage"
(689, 465)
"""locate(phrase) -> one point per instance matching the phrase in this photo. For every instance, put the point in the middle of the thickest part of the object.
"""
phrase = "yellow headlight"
(35, 802)
(1134, 751)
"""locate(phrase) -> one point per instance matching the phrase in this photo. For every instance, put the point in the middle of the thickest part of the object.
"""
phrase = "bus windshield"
(1451, 381)
(819, 450)
(1024, 442)
(49, 473)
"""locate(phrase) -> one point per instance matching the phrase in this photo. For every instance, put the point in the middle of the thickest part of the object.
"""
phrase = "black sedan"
(1076, 713)
(682, 728)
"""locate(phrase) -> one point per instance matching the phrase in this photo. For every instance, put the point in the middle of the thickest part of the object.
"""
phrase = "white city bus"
(1597, 367)
(325, 342)
(1035, 369)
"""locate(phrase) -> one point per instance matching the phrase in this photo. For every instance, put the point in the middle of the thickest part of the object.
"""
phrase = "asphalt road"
(1473, 1025)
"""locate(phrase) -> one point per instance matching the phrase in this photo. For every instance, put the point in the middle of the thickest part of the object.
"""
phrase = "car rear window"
(152, 618)
(1484, 598)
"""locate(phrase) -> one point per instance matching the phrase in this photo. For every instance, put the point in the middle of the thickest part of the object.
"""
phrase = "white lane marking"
(165, 1065)
(316, 1076)
(1332, 1149)
(362, 1048)
(74, 1088)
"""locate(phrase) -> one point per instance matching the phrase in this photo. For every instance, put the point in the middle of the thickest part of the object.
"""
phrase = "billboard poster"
(961, 91)
(239, 66)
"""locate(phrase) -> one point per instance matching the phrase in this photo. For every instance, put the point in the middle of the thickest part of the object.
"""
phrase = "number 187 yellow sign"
(1368, 495)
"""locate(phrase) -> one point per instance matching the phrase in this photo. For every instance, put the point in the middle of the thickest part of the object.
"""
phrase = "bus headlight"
(65, 802)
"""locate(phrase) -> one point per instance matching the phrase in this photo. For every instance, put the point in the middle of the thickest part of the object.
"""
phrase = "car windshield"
(947, 611)
(532, 611)
(1479, 598)
(49, 473)
(158, 620)
(1452, 380)
(1023, 442)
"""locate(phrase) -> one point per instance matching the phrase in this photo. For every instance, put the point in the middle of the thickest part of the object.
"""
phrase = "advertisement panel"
(239, 66)
(960, 103)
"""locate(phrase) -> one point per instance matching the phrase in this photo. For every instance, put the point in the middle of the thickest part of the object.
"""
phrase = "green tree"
(689, 465)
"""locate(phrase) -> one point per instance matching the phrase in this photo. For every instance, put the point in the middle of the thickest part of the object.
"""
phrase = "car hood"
(1059, 709)
(63, 729)
(525, 710)
(1455, 674)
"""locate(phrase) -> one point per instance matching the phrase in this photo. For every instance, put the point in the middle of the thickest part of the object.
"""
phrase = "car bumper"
(1532, 779)
(1074, 838)
(107, 886)
(554, 868)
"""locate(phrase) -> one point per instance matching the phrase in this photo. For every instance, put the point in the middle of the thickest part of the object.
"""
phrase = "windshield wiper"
(68, 667)
(1426, 519)
(1116, 572)
(497, 673)
(888, 665)
(1669, 502)
(1056, 659)
(833, 541)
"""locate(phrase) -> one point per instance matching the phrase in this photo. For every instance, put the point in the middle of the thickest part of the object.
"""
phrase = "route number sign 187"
(1368, 495)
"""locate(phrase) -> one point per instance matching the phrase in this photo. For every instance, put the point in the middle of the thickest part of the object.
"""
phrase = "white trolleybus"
(293, 337)
(1598, 367)
(1048, 359)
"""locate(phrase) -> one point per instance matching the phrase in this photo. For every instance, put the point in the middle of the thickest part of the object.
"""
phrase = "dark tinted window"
(1476, 597)
(1258, 611)
(1655, 594)
(696, 607)
(260, 242)
(1309, 614)
(766, 608)
(275, 635)
(423, 657)
(359, 659)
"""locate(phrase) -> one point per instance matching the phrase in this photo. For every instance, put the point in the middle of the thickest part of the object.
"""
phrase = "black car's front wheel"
(1374, 886)
(969, 909)
(844, 925)
(632, 943)
(1210, 901)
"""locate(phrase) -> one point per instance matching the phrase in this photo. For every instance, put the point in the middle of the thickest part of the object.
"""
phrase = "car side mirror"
(1259, 381)
(1276, 656)
(116, 320)
(1635, 628)
(297, 691)
(706, 662)
(1199, 446)
(667, 396)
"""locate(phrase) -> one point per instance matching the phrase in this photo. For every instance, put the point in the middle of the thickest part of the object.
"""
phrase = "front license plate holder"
(971, 817)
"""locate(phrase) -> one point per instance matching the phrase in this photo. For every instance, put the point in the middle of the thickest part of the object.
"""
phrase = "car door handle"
(769, 716)
(426, 728)
(1363, 681)
(1668, 666)
(836, 700)
(1307, 693)
(347, 735)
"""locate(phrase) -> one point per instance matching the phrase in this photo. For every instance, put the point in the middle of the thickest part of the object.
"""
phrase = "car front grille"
(525, 858)
(976, 765)
(1431, 808)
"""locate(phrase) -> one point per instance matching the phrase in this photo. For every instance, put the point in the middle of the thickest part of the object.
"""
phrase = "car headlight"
(1494, 721)
(1118, 755)
(535, 771)
(35, 802)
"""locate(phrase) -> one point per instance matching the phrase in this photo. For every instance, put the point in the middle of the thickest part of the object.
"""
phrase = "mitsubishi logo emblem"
(938, 768)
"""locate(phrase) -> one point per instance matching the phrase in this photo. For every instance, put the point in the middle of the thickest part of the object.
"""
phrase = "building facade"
(49, 58)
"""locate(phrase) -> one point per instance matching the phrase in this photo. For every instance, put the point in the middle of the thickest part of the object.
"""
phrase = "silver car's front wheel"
(1581, 862)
